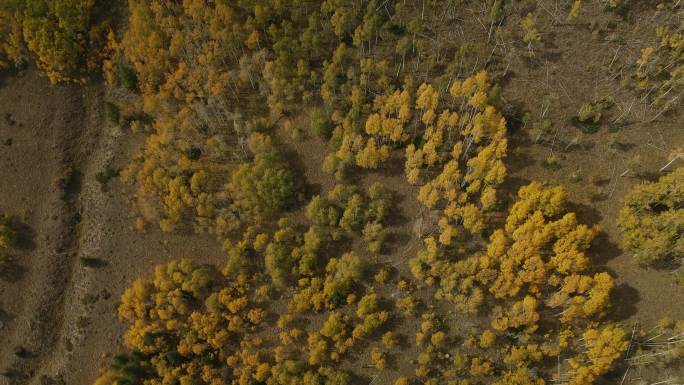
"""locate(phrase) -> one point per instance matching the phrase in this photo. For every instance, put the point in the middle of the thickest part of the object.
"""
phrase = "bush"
(7, 234)
(112, 113)
(128, 77)
(91, 262)
(589, 116)
(320, 123)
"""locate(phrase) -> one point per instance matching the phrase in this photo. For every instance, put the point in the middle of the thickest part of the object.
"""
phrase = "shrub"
(112, 113)
(320, 123)
(7, 234)
(128, 77)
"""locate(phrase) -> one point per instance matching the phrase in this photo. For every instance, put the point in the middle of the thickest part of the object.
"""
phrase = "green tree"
(264, 186)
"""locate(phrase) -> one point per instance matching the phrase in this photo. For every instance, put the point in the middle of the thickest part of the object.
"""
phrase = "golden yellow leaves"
(651, 220)
(522, 314)
(461, 155)
(188, 312)
(582, 296)
(603, 347)
(371, 156)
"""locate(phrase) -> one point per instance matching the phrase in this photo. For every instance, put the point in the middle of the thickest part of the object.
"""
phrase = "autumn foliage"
(652, 220)
(496, 291)
(56, 33)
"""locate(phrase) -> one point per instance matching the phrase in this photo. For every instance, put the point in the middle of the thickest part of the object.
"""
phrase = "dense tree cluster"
(660, 347)
(345, 210)
(194, 325)
(461, 158)
(534, 275)
(199, 67)
(214, 83)
(257, 189)
(57, 33)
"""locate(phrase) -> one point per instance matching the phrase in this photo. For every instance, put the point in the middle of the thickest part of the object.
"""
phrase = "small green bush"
(128, 77)
(112, 113)
(7, 235)
(320, 123)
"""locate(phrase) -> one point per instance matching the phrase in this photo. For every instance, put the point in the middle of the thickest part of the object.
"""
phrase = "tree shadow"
(12, 271)
(603, 249)
(312, 189)
(624, 299)
(533, 62)
(551, 54)
(650, 176)
(74, 184)
(25, 235)
(10, 72)
(4, 318)
(586, 214)
(298, 168)
(514, 112)
(93, 263)
(355, 378)
(513, 183)
(396, 217)
(395, 241)
(624, 147)
(393, 166)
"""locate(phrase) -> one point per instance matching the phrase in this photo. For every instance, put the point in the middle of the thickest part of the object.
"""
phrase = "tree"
(530, 28)
(378, 358)
(342, 275)
(12, 46)
(279, 258)
(264, 186)
(521, 376)
(583, 296)
(603, 347)
(523, 314)
(371, 156)
(374, 235)
(652, 219)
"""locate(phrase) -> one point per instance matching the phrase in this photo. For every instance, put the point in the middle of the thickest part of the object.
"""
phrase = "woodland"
(487, 278)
